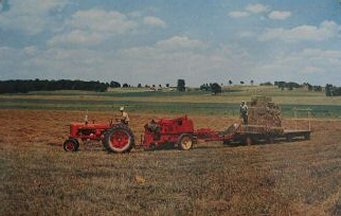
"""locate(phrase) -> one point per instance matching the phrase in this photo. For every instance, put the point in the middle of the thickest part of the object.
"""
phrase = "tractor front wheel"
(71, 145)
(119, 139)
(185, 142)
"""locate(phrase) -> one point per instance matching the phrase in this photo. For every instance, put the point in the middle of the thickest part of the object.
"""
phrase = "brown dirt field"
(39, 178)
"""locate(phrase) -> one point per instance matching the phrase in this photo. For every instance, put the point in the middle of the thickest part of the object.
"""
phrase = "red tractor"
(115, 137)
(119, 138)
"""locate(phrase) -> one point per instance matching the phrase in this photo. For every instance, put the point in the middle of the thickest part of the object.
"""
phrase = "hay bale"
(263, 112)
(260, 101)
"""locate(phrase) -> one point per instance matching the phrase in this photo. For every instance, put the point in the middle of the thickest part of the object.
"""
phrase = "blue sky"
(159, 41)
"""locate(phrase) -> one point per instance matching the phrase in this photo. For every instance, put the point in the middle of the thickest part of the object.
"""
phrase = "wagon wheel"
(71, 145)
(119, 139)
(185, 142)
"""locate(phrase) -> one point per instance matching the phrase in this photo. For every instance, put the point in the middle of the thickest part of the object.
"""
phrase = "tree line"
(215, 88)
(24, 86)
(332, 90)
(292, 85)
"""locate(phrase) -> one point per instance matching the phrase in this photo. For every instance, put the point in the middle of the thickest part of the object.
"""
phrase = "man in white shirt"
(124, 116)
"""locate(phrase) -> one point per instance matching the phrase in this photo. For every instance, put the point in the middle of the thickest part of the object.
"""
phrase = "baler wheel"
(71, 145)
(185, 142)
(119, 139)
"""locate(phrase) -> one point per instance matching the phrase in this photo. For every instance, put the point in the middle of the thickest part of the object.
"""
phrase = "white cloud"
(154, 21)
(279, 15)
(326, 30)
(77, 37)
(180, 42)
(238, 14)
(92, 27)
(257, 8)
(176, 44)
(249, 10)
(247, 34)
(97, 20)
(30, 16)
(313, 65)
(30, 50)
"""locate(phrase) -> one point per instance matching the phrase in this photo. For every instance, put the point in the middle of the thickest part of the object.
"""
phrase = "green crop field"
(191, 102)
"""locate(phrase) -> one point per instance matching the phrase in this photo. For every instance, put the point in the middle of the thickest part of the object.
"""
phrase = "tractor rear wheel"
(71, 145)
(119, 139)
(185, 142)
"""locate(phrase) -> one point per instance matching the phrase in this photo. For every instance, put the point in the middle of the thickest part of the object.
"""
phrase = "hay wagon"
(251, 134)
(264, 125)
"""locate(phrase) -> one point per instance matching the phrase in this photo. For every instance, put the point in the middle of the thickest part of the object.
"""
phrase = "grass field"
(287, 178)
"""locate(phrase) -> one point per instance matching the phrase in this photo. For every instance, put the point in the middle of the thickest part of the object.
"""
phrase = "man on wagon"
(244, 114)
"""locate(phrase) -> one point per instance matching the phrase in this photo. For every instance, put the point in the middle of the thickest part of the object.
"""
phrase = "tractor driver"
(244, 114)
(124, 116)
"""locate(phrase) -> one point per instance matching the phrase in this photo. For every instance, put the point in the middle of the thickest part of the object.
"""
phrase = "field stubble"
(38, 177)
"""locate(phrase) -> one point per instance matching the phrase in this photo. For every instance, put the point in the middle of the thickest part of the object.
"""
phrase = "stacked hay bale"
(264, 115)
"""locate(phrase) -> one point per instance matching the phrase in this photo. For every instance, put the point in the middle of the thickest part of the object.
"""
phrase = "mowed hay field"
(39, 178)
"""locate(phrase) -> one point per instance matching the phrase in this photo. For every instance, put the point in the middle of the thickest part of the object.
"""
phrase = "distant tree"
(125, 85)
(329, 90)
(230, 82)
(292, 85)
(139, 85)
(337, 91)
(160, 86)
(251, 82)
(242, 82)
(205, 87)
(147, 86)
(266, 84)
(308, 86)
(167, 85)
(317, 88)
(181, 85)
(280, 84)
(288, 85)
(215, 88)
(114, 84)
